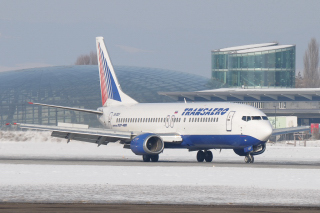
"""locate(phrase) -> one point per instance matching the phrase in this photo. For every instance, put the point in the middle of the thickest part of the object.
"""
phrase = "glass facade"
(256, 68)
(78, 86)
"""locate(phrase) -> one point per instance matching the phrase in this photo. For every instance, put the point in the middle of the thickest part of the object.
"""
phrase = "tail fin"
(111, 92)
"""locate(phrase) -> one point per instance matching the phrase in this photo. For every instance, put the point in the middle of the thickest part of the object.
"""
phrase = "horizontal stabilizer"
(69, 108)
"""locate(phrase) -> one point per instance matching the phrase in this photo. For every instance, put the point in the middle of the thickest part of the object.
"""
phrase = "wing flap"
(101, 140)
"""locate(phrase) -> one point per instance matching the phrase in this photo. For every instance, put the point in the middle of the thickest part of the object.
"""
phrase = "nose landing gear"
(204, 155)
(249, 158)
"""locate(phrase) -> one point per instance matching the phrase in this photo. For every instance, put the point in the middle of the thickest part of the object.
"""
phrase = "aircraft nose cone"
(266, 132)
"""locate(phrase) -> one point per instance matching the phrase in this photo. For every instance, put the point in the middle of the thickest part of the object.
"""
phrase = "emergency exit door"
(229, 120)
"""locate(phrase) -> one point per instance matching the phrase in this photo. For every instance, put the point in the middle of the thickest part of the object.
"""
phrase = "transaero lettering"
(205, 111)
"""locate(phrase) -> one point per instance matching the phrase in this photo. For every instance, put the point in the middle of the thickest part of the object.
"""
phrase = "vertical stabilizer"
(111, 93)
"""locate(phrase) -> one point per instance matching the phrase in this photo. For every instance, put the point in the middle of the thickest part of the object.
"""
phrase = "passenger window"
(217, 119)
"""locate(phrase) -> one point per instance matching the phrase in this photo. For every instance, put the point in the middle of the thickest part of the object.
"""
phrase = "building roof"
(243, 47)
(293, 94)
(261, 49)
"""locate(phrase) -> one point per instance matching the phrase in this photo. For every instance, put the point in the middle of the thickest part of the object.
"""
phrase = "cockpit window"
(249, 118)
(256, 118)
(246, 118)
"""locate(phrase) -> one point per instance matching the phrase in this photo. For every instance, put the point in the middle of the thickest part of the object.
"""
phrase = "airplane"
(149, 128)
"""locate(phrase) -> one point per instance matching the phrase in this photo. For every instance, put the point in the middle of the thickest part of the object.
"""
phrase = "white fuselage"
(211, 125)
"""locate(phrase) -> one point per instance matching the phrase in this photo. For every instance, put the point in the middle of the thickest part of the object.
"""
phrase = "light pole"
(275, 117)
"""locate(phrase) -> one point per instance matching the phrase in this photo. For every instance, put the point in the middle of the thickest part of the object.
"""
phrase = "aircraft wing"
(290, 130)
(98, 136)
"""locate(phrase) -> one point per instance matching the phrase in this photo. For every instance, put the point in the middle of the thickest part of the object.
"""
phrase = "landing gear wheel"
(200, 156)
(249, 158)
(146, 158)
(154, 158)
(208, 156)
(252, 159)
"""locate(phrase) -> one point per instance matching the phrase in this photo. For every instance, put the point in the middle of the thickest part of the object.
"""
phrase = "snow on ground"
(152, 184)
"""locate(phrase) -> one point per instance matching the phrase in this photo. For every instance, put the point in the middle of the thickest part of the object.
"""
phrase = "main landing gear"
(204, 155)
(249, 158)
(153, 158)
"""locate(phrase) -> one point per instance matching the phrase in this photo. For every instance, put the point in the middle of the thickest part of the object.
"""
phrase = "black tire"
(252, 159)
(154, 158)
(146, 158)
(208, 156)
(247, 159)
(200, 156)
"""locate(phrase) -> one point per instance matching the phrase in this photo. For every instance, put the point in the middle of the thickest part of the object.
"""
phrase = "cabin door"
(229, 120)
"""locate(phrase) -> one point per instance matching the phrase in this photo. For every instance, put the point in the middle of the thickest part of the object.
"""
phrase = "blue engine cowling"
(257, 150)
(147, 144)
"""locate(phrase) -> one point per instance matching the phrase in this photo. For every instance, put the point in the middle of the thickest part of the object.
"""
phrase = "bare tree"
(93, 58)
(311, 63)
(299, 81)
(90, 59)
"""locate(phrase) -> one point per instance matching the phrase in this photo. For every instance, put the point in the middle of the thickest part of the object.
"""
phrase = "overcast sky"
(177, 35)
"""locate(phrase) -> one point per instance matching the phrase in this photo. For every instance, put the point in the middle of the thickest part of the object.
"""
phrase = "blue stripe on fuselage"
(215, 141)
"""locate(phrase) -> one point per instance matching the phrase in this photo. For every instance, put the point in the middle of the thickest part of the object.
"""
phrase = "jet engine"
(257, 150)
(147, 144)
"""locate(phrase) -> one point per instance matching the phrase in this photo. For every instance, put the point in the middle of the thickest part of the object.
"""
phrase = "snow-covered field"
(34, 182)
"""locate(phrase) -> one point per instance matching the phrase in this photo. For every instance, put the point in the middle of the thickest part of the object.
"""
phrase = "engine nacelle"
(147, 144)
(257, 150)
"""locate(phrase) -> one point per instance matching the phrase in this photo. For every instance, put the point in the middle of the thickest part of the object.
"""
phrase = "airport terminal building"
(266, 65)
(301, 102)
(79, 86)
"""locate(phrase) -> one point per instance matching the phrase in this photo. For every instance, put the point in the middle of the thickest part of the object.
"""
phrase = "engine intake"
(147, 143)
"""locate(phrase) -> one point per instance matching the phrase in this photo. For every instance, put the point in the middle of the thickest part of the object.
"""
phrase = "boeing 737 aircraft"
(149, 128)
